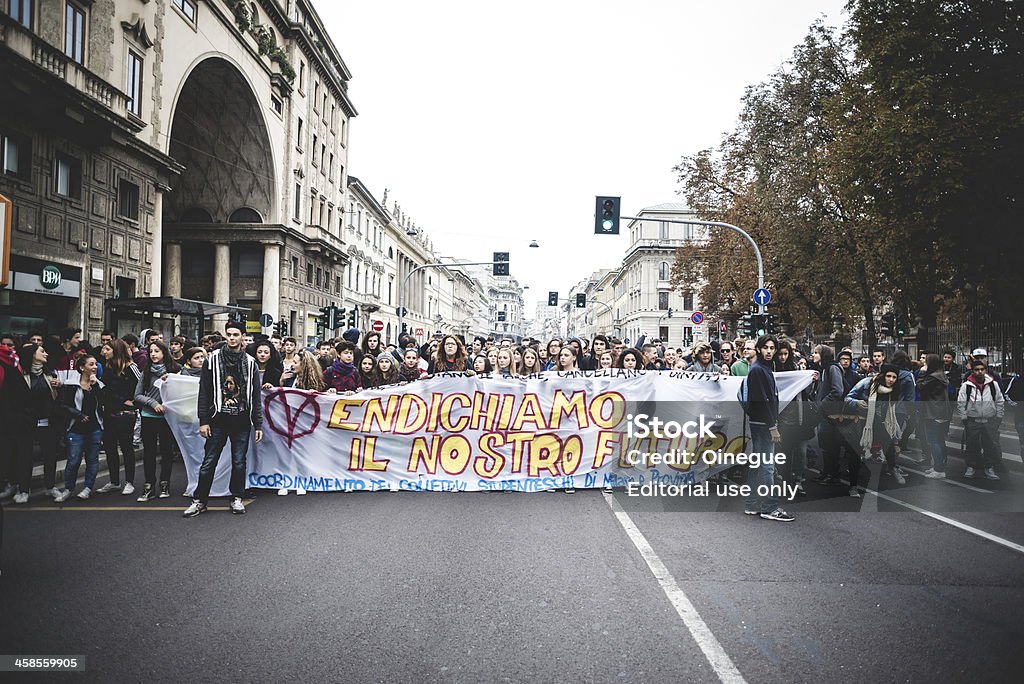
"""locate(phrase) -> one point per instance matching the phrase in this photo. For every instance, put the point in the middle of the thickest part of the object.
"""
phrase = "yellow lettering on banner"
(618, 409)
(487, 444)
(606, 443)
(384, 416)
(339, 415)
(427, 455)
(455, 453)
(529, 412)
(446, 410)
(435, 408)
(545, 451)
(353, 457)
(518, 440)
(572, 454)
(736, 445)
(368, 461)
(563, 405)
(508, 402)
(405, 423)
(482, 417)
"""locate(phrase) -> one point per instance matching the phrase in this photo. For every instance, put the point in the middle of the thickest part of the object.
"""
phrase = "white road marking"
(951, 481)
(701, 633)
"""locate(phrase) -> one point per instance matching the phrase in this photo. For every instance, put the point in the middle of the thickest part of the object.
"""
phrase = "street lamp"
(533, 243)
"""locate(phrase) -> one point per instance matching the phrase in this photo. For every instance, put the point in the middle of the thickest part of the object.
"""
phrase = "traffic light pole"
(405, 282)
(607, 306)
(719, 224)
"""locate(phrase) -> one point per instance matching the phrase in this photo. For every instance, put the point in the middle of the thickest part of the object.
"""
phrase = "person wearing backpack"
(981, 407)
(935, 409)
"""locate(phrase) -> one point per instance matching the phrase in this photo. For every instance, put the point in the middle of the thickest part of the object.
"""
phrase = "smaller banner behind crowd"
(455, 432)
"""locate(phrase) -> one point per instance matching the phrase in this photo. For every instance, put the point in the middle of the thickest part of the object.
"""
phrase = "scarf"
(37, 369)
(892, 427)
(158, 369)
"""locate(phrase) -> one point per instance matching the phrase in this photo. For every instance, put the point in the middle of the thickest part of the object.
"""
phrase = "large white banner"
(457, 433)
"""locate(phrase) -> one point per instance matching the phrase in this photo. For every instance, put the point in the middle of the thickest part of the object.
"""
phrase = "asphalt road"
(406, 587)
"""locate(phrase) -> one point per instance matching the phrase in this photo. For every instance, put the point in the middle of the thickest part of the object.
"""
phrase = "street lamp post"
(405, 282)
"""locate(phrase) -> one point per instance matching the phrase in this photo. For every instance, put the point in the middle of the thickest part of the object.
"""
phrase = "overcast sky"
(494, 124)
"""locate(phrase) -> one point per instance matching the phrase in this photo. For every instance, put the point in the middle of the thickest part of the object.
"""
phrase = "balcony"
(324, 242)
(50, 59)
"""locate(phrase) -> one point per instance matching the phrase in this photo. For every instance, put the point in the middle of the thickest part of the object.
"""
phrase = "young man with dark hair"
(981, 406)
(106, 337)
(877, 359)
(324, 355)
(342, 376)
(763, 412)
(229, 409)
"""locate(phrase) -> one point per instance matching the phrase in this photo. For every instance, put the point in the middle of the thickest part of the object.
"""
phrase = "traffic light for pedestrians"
(581, 300)
(606, 216)
(552, 299)
(500, 267)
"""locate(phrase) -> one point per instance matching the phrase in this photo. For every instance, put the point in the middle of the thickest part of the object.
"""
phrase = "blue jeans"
(763, 475)
(935, 437)
(219, 436)
(79, 444)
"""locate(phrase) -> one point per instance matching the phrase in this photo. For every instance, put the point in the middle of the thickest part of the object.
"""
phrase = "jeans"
(219, 436)
(795, 450)
(118, 429)
(154, 430)
(79, 444)
(829, 440)
(24, 439)
(763, 475)
(935, 437)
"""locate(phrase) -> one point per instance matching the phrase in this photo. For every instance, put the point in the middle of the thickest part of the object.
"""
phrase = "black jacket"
(68, 404)
(935, 403)
(762, 395)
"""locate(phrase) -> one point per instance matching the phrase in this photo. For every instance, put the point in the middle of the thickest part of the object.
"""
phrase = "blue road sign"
(762, 296)
(266, 320)
(697, 317)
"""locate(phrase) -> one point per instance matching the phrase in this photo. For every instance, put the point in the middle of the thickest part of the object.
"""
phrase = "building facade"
(182, 148)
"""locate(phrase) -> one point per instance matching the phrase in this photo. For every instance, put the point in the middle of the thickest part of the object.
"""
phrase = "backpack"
(991, 386)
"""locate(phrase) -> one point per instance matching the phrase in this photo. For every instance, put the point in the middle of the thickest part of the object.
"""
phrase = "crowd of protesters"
(859, 408)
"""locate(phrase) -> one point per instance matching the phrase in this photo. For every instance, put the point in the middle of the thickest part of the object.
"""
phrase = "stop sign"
(378, 326)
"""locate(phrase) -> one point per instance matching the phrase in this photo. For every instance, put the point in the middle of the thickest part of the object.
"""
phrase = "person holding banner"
(505, 363)
(229, 408)
(122, 379)
(367, 368)
(411, 370)
(450, 356)
(343, 376)
(386, 372)
(268, 361)
(156, 433)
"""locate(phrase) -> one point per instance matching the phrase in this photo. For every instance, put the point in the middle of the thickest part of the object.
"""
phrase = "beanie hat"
(386, 355)
(234, 325)
(888, 368)
(352, 335)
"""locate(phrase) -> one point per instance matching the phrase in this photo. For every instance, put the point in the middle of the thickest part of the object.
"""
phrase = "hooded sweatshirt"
(980, 401)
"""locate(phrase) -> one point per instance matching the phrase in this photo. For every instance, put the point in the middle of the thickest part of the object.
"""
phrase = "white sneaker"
(236, 506)
(109, 487)
(51, 492)
(8, 491)
(85, 494)
(129, 488)
(283, 491)
(62, 496)
(990, 474)
(300, 492)
(21, 497)
(934, 474)
(898, 474)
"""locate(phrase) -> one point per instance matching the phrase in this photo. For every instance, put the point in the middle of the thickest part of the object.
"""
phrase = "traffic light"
(760, 324)
(352, 315)
(900, 324)
(552, 299)
(670, 312)
(888, 325)
(324, 319)
(339, 318)
(749, 325)
(500, 267)
(284, 328)
(769, 324)
(501, 316)
(277, 328)
(606, 216)
(581, 300)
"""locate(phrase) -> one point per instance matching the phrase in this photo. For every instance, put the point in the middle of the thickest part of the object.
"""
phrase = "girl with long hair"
(554, 347)
(481, 364)
(531, 362)
(31, 409)
(605, 360)
(308, 375)
(268, 362)
(367, 366)
(936, 410)
(410, 369)
(567, 359)
(121, 380)
(450, 356)
(194, 359)
(794, 442)
(630, 359)
(156, 433)
(878, 400)
(81, 406)
(505, 361)
(386, 372)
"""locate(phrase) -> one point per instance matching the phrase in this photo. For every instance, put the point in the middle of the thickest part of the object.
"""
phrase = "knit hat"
(386, 355)
(352, 335)
(888, 368)
(240, 327)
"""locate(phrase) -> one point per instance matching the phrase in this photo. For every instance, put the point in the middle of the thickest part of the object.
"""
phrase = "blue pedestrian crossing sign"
(266, 320)
(762, 296)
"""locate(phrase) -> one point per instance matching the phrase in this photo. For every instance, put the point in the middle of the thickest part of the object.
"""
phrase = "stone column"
(156, 267)
(172, 270)
(272, 279)
(221, 280)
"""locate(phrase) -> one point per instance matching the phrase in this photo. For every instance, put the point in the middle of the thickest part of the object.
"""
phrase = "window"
(297, 213)
(21, 12)
(67, 176)
(337, 284)
(319, 277)
(127, 200)
(298, 135)
(245, 215)
(663, 333)
(313, 150)
(688, 301)
(662, 300)
(295, 268)
(302, 76)
(309, 273)
(133, 84)
(663, 271)
(276, 104)
(323, 109)
(662, 230)
(330, 217)
(16, 155)
(334, 111)
(323, 158)
(74, 32)
(250, 261)
(316, 94)
(187, 7)
(330, 169)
